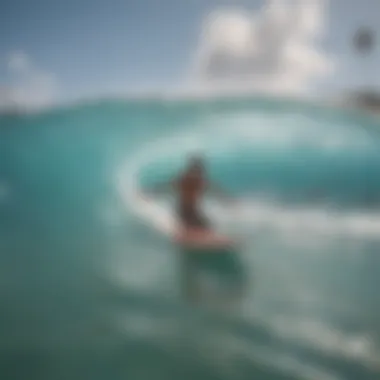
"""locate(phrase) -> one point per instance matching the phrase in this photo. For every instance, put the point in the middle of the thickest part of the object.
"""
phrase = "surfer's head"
(196, 164)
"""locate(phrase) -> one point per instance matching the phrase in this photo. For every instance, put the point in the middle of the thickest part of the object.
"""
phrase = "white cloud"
(29, 87)
(273, 50)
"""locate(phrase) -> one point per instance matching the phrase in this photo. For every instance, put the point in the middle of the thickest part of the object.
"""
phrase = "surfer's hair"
(196, 160)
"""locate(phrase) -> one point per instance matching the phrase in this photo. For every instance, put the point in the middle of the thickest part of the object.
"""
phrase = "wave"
(297, 287)
(251, 140)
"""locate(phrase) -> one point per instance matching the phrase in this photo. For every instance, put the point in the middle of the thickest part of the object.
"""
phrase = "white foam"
(358, 347)
(283, 130)
(272, 358)
(256, 214)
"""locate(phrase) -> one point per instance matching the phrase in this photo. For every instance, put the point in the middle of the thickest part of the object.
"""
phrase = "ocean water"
(92, 288)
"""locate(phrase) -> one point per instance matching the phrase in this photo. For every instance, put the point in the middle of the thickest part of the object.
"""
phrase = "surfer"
(190, 186)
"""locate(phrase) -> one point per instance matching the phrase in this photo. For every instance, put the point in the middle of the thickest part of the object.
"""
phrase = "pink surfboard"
(167, 224)
(203, 240)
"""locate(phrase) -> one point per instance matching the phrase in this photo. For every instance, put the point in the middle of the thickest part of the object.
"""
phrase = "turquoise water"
(91, 289)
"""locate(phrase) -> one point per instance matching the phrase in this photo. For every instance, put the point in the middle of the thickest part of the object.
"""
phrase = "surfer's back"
(190, 189)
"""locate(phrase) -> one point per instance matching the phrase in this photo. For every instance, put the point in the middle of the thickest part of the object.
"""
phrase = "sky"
(61, 51)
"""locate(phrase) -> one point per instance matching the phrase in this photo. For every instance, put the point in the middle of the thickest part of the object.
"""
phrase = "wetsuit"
(192, 217)
(190, 191)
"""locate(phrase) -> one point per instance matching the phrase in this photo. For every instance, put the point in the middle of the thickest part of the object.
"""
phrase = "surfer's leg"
(192, 227)
(202, 221)
(192, 219)
(198, 220)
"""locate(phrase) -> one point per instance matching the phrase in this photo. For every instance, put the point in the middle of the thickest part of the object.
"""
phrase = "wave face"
(90, 288)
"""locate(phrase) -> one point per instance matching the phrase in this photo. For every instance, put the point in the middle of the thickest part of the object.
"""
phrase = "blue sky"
(98, 47)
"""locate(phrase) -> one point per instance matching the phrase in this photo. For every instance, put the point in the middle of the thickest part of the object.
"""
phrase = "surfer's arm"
(160, 188)
(216, 190)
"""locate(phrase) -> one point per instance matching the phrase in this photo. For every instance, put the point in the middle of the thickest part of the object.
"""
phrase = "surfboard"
(163, 220)
(203, 240)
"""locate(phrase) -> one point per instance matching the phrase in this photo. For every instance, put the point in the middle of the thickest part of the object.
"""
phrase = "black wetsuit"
(190, 189)
(192, 217)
